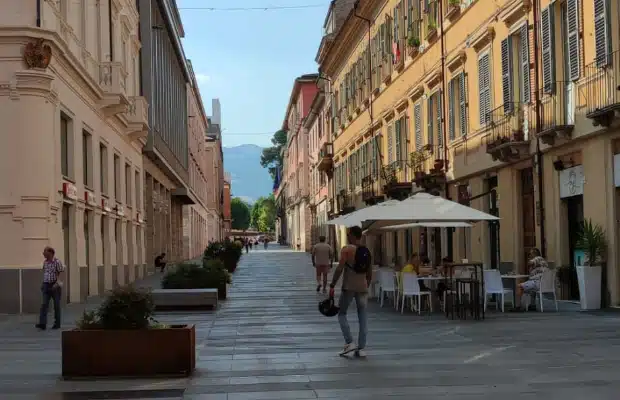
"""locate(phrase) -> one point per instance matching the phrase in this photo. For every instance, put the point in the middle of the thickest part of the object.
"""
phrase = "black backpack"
(363, 260)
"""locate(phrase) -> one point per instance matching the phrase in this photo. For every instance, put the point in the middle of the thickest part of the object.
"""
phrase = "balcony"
(326, 159)
(398, 180)
(432, 156)
(112, 79)
(330, 208)
(372, 189)
(557, 112)
(137, 118)
(601, 89)
(508, 138)
(344, 203)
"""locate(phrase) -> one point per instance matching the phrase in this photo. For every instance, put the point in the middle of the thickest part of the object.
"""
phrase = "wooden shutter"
(373, 156)
(390, 143)
(417, 120)
(397, 140)
(525, 64)
(572, 26)
(506, 52)
(430, 121)
(405, 136)
(548, 49)
(484, 88)
(601, 32)
(396, 34)
(451, 101)
(409, 17)
(463, 103)
(439, 117)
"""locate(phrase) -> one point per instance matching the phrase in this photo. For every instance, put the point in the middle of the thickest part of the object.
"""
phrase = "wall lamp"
(560, 165)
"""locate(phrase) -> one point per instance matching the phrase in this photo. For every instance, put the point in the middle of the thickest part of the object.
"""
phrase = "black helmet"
(328, 308)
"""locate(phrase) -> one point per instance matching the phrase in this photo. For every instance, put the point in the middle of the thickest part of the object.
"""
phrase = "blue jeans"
(361, 301)
(50, 292)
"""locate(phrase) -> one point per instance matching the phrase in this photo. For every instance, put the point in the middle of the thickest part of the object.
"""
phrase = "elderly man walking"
(51, 288)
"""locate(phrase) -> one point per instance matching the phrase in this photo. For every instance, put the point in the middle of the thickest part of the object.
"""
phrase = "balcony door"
(569, 85)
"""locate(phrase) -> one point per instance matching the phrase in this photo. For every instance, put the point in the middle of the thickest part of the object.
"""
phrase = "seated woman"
(538, 266)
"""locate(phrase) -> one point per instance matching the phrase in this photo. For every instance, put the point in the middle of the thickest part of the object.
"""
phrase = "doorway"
(574, 210)
(493, 226)
(528, 220)
(66, 238)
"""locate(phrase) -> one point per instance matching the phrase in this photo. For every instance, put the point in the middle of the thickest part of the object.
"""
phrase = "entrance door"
(527, 213)
(66, 237)
(574, 207)
(493, 225)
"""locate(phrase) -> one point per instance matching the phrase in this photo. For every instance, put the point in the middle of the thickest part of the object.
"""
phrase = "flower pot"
(590, 279)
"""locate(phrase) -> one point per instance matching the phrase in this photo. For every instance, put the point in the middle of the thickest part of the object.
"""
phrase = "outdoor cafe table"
(514, 278)
(474, 304)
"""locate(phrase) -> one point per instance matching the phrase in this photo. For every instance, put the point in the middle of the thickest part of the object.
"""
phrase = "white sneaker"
(347, 349)
(360, 353)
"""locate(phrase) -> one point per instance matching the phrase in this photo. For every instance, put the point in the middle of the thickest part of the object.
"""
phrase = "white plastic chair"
(387, 284)
(411, 289)
(547, 285)
(493, 285)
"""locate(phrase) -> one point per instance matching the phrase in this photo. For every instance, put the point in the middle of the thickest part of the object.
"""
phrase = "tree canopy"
(271, 157)
(263, 214)
(240, 214)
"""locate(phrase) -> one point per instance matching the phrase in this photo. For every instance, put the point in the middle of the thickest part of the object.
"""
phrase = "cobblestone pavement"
(268, 341)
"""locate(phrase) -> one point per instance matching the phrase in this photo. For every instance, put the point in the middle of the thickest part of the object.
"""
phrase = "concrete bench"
(184, 298)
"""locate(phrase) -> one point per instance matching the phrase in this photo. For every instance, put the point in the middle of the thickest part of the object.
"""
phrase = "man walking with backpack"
(356, 270)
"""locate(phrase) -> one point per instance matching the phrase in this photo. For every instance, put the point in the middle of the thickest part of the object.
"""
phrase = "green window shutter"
(602, 40)
(463, 103)
(506, 53)
(451, 101)
(548, 49)
(397, 140)
(390, 143)
(572, 26)
(484, 88)
(439, 118)
(417, 121)
(430, 133)
(526, 86)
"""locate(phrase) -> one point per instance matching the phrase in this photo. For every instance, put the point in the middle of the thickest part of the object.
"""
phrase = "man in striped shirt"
(51, 288)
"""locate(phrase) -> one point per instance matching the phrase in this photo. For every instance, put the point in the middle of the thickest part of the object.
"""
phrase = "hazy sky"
(249, 59)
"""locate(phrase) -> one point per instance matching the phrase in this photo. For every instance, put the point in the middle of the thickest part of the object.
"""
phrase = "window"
(390, 143)
(400, 138)
(417, 122)
(87, 159)
(117, 177)
(65, 124)
(515, 53)
(457, 106)
(434, 111)
(103, 169)
(602, 39)
(128, 184)
(484, 88)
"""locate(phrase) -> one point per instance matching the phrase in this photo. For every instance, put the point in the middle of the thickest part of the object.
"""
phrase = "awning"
(446, 224)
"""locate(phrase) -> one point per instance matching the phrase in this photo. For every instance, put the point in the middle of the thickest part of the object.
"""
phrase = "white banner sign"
(571, 182)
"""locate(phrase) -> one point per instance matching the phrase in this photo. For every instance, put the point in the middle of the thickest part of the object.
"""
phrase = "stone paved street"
(268, 341)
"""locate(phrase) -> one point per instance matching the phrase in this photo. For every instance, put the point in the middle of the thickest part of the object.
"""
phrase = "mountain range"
(249, 179)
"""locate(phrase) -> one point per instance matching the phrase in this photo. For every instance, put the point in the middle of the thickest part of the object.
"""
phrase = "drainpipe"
(444, 104)
(539, 154)
(369, 84)
(38, 23)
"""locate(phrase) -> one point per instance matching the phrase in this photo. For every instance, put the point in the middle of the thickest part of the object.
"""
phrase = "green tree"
(240, 213)
(264, 214)
(271, 157)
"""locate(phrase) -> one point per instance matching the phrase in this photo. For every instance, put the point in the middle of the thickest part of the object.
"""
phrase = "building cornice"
(308, 78)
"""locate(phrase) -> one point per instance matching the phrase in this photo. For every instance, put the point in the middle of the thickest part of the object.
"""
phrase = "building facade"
(321, 151)
(72, 109)
(227, 214)
(298, 216)
(217, 197)
(165, 78)
(480, 102)
(196, 216)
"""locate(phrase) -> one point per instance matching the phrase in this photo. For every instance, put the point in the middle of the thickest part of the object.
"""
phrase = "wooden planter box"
(129, 353)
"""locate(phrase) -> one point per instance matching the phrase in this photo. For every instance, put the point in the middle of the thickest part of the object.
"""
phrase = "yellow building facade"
(511, 107)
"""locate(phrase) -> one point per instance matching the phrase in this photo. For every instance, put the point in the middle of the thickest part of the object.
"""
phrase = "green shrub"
(227, 251)
(193, 276)
(124, 308)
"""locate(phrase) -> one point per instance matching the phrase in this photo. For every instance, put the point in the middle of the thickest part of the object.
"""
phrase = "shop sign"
(89, 198)
(69, 191)
(617, 170)
(571, 182)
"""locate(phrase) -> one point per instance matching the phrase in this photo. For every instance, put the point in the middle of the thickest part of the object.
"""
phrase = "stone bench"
(184, 298)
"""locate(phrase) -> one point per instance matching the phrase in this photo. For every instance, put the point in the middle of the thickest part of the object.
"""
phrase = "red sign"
(69, 190)
(105, 205)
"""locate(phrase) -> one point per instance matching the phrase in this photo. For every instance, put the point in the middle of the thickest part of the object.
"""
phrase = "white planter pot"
(590, 280)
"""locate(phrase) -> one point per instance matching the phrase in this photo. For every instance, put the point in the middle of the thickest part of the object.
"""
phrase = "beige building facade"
(72, 176)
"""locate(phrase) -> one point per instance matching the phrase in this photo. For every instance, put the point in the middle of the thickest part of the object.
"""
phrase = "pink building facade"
(297, 163)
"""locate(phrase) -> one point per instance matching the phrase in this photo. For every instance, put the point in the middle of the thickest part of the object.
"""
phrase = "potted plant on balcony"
(593, 243)
(417, 163)
(413, 41)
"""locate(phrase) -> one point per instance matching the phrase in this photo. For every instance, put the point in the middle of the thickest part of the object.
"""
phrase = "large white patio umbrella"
(424, 208)
(392, 228)
(358, 216)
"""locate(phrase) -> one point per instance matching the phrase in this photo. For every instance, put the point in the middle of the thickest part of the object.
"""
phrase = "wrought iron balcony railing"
(372, 189)
(326, 157)
(344, 202)
(508, 138)
(601, 89)
(557, 111)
